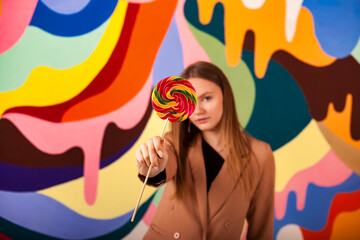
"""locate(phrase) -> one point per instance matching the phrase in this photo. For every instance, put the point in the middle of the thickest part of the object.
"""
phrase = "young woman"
(216, 176)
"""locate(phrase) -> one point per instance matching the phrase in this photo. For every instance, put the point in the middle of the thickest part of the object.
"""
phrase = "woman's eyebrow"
(203, 94)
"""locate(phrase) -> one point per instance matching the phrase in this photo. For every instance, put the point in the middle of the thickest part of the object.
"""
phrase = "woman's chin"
(203, 127)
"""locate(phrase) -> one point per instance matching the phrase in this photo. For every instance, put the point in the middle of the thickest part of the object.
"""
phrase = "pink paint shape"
(329, 171)
(14, 19)
(55, 138)
(149, 215)
(192, 50)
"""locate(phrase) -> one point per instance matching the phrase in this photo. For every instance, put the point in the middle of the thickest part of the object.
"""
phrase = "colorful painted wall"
(75, 84)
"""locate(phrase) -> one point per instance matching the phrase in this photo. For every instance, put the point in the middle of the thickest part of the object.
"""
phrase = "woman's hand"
(151, 153)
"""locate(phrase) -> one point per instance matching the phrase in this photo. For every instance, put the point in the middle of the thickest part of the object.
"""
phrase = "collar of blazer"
(222, 186)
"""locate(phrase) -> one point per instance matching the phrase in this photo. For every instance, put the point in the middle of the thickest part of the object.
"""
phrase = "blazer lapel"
(220, 189)
(197, 167)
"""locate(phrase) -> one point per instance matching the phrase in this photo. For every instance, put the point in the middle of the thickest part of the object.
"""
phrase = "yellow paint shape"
(340, 122)
(268, 25)
(346, 226)
(119, 186)
(47, 86)
(302, 152)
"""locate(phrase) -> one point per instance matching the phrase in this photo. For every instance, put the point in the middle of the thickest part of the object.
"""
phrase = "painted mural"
(75, 84)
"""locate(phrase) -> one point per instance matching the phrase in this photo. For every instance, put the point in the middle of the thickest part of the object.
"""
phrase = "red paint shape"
(3, 237)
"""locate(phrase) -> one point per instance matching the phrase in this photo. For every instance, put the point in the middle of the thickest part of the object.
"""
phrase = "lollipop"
(173, 99)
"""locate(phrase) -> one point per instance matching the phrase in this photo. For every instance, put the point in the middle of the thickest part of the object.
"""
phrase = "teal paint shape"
(280, 111)
(215, 27)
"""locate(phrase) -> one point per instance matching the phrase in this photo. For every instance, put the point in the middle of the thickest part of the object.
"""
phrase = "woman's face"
(209, 109)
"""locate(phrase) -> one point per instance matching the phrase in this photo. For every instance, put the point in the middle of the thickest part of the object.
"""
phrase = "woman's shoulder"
(261, 150)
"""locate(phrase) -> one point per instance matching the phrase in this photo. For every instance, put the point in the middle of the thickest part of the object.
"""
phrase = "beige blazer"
(221, 212)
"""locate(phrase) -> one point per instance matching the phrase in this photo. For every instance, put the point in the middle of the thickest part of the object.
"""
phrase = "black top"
(213, 163)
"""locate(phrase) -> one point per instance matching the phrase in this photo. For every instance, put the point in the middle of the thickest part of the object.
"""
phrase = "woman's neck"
(213, 138)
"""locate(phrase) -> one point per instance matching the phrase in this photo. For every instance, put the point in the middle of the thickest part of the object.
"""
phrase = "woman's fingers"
(158, 146)
(140, 161)
(145, 154)
(153, 155)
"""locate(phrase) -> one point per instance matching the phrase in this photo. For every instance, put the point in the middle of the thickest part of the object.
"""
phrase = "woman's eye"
(207, 98)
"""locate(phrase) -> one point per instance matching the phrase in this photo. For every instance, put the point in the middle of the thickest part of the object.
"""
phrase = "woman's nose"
(199, 109)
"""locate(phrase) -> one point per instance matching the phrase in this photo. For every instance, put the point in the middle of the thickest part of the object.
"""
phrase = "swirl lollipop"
(173, 99)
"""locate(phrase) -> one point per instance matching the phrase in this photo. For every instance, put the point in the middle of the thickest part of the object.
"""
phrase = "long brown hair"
(238, 146)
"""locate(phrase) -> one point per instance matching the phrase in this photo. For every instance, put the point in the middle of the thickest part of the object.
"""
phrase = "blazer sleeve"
(171, 165)
(260, 215)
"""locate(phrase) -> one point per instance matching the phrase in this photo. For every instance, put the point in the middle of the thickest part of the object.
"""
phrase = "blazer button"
(176, 235)
(227, 225)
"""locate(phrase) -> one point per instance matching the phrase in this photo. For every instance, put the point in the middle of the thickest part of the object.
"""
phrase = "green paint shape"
(356, 52)
(241, 80)
(39, 48)
(158, 195)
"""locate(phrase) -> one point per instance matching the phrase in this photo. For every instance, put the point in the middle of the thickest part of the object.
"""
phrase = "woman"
(216, 176)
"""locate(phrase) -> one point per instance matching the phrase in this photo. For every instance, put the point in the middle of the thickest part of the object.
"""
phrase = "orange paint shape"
(340, 122)
(268, 25)
(346, 226)
(151, 25)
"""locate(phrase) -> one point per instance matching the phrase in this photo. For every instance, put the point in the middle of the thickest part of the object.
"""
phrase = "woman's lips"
(201, 120)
